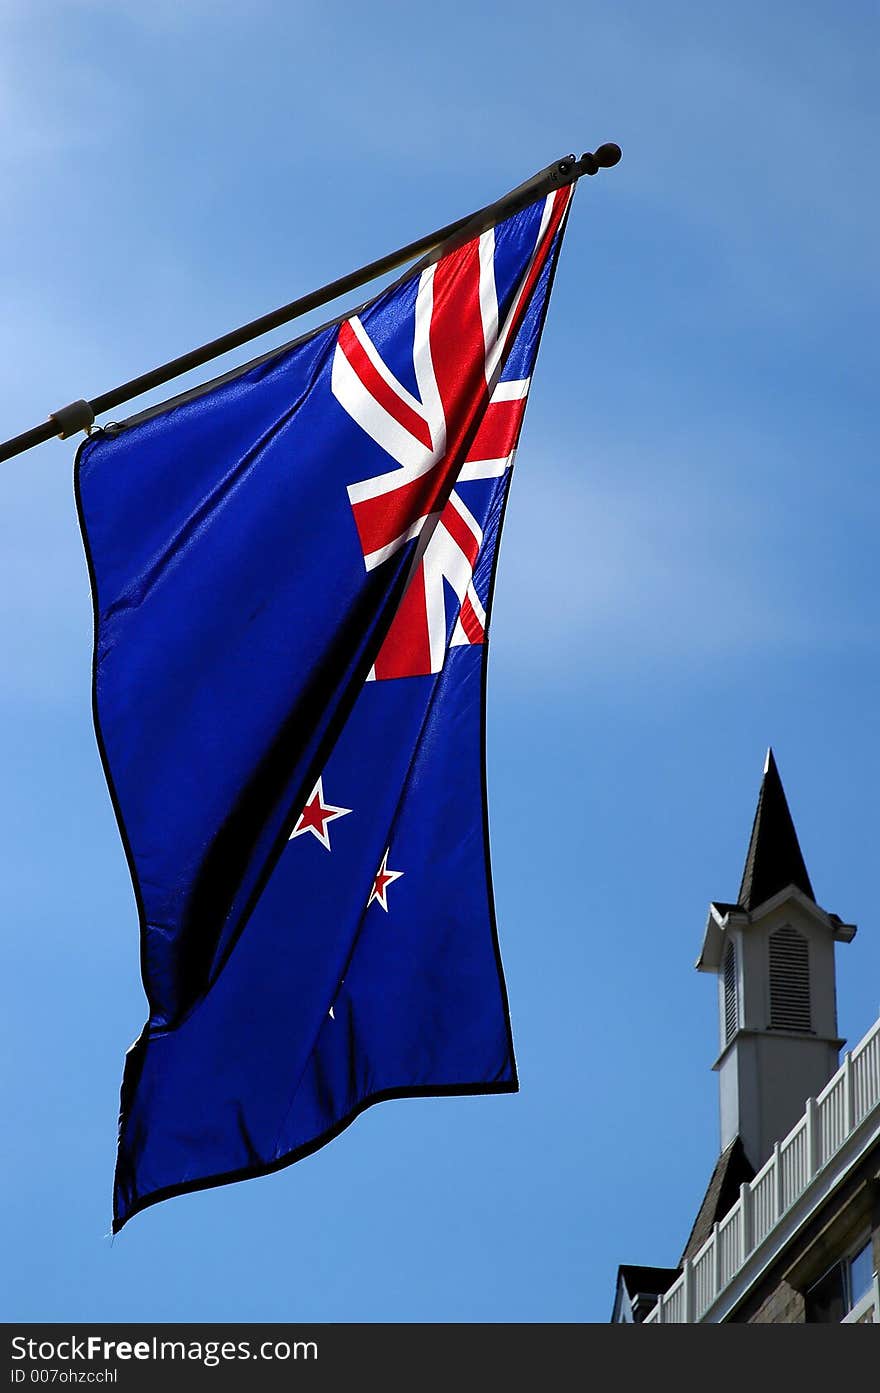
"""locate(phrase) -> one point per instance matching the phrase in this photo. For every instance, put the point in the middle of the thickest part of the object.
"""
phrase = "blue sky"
(689, 572)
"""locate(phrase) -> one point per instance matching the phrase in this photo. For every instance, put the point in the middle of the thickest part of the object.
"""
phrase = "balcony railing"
(828, 1122)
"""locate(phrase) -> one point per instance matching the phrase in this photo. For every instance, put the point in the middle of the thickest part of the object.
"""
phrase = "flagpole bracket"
(76, 416)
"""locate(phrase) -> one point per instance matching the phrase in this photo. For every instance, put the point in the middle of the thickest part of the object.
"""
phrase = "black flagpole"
(80, 415)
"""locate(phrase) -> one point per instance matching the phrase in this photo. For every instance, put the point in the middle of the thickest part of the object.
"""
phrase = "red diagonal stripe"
(470, 623)
(378, 388)
(460, 533)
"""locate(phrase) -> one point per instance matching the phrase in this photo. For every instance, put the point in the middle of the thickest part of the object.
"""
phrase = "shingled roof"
(774, 857)
(732, 1169)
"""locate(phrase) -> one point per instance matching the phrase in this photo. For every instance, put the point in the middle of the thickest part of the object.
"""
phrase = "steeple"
(774, 858)
(773, 953)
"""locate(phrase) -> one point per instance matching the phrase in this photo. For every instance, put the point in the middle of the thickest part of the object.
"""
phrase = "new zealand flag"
(292, 572)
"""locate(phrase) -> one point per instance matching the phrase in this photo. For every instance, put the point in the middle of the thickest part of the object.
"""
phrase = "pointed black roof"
(731, 1169)
(774, 857)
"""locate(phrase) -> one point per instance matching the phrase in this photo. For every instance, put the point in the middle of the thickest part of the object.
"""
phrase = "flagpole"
(80, 415)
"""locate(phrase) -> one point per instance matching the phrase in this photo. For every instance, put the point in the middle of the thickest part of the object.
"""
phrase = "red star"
(316, 816)
(384, 878)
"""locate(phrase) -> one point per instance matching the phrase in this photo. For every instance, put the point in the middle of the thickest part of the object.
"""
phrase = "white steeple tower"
(773, 952)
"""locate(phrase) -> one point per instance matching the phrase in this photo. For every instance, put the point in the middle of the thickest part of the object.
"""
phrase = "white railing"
(845, 1101)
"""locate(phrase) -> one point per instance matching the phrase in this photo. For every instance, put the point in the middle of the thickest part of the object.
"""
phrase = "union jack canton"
(292, 573)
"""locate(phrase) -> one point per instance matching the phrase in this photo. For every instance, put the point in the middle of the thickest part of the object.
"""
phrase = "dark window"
(789, 980)
(729, 992)
(842, 1288)
(826, 1300)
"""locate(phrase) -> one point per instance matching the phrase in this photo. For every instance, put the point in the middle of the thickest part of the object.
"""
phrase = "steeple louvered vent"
(729, 992)
(789, 980)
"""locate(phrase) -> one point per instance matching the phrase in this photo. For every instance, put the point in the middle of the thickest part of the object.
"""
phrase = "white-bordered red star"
(317, 815)
(383, 879)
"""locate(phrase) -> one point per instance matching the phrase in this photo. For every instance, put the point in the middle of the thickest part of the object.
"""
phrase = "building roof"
(774, 858)
(651, 1280)
(638, 1289)
(732, 1169)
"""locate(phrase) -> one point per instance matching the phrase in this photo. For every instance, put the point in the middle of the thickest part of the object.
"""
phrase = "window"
(860, 1274)
(789, 980)
(830, 1299)
(729, 992)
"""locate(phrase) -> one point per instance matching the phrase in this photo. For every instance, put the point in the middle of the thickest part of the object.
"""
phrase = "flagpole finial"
(605, 157)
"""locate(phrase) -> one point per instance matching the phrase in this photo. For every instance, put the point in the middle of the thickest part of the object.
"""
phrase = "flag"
(291, 574)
